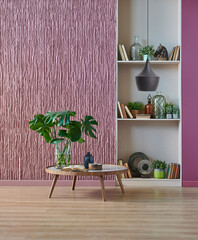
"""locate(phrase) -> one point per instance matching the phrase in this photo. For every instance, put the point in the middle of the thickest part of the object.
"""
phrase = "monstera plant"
(58, 129)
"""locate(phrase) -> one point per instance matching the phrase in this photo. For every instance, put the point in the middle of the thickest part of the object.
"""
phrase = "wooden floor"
(169, 213)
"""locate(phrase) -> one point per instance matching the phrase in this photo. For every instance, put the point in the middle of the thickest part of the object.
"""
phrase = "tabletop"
(107, 169)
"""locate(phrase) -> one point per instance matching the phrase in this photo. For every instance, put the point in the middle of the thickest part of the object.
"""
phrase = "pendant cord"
(147, 22)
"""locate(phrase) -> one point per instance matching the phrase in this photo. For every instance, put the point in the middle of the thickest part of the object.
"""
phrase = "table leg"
(102, 188)
(74, 182)
(120, 182)
(53, 185)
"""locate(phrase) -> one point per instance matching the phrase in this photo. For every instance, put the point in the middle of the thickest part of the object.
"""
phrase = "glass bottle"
(159, 104)
(135, 50)
(149, 106)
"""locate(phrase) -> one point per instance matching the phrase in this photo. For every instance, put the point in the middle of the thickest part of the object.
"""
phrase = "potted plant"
(159, 168)
(57, 128)
(169, 110)
(147, 52)
(175, 112)
(135, 107)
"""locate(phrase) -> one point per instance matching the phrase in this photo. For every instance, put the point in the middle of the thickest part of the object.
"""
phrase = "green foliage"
(47, 126)
(147, 50)
(158, 164)
(169, 108)
(56, 127)
(135, 105)
(175, 109)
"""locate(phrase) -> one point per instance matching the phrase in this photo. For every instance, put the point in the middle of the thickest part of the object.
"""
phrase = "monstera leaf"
(38, 124)
(61, 118)
(87, 126)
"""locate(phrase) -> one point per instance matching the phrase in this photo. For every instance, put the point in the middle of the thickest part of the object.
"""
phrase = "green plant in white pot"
(57, 128)
(159, 168)
(169, 110)
(147, 52)
(175, 112)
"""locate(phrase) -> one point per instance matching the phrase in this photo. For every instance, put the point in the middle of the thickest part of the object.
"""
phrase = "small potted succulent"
(135, 108)
(169, 110)
(159, 168)
(175, 112)
(147, 52)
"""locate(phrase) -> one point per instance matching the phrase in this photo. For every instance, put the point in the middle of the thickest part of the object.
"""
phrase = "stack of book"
(143, 116)
(123, 53)
(173, 171)
(175, 54)
(125, 175)
(124, 111)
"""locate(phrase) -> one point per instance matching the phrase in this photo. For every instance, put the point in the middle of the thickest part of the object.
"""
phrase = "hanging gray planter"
(147, 80)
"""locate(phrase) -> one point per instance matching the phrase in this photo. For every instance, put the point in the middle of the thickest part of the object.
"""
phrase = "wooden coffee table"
(106, 170)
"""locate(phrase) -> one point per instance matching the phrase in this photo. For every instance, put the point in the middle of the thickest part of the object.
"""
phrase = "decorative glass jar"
(159, 106)
(135, 50)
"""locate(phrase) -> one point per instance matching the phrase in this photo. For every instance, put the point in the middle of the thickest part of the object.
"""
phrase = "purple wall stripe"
(189, 91)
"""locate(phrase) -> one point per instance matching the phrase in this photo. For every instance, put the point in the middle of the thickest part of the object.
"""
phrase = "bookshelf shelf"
(150, 182)
(157, 138)
(151, 62)
(152, 119)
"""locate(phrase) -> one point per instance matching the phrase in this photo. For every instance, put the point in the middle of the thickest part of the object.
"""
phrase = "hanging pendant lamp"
(147, 80)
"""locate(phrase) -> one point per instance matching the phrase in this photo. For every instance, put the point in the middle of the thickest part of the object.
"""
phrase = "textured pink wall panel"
(55, 55)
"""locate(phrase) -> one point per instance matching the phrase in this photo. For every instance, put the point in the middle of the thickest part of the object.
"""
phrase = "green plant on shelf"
(175, 109)
(158, 164)
(147, 50)
(135, 105)
(169, 108)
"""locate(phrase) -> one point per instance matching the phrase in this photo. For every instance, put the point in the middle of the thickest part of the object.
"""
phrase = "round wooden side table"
(107, 169)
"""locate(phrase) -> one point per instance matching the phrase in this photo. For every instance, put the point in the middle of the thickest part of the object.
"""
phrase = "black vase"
(88, 158)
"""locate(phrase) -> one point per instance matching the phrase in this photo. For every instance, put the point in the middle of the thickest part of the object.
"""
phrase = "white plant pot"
(169, 116)
(175, 116)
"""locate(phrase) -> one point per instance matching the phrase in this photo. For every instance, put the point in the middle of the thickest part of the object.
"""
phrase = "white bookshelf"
(157, 138)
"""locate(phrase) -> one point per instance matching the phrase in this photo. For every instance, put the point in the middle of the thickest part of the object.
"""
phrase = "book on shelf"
(125, 53)
(143, 116)
(175, 54)
(121, 52)
(173, 171)
(177, 172)
(128, 112)
(169, 173)
(123, 111)
(120, 111)
(171, 56)
(74, 168)
(167, 170)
